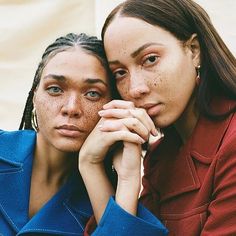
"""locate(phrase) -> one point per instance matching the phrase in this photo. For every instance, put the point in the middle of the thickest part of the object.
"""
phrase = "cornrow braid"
(90, 44)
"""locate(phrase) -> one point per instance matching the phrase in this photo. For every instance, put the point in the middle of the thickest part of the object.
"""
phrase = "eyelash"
(51, 90)
(121, 71)
(92, 97)
(147, 60)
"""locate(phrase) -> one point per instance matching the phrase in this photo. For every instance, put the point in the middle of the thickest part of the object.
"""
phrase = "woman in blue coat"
(41, 188)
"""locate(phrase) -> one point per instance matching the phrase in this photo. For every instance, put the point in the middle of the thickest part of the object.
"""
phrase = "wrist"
(133, 184)
(127, 195)
(89, 166)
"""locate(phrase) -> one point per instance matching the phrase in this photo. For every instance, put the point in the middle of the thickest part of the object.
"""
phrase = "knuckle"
(119, 125)
(129, 113)
(131, 104)
(143, 112)
(140, 112)
(122, 134)
(135, 123)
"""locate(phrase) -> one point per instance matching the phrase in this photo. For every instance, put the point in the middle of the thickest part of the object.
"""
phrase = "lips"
(148, 105)
(153, 109)
(70, 130)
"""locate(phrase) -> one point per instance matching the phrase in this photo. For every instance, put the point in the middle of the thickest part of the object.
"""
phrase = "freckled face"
(73, 88)
(152, 68)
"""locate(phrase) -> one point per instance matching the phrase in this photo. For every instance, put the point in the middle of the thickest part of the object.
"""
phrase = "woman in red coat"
(168, 60)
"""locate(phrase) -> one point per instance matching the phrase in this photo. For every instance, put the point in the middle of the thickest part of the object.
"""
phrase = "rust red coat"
(192, 187)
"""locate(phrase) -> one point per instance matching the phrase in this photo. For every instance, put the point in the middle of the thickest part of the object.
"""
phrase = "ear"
(194, 46)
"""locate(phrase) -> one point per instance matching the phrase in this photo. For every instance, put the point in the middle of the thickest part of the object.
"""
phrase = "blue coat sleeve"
(117, 222)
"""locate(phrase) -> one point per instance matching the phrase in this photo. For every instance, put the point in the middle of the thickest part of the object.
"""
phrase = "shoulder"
(16, 145)
(232, 124)
(226, 155)
(15, 137)
(16, 132)
(229, 140)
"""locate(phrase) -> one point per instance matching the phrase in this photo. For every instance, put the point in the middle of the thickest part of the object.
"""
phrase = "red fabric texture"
(191, 188)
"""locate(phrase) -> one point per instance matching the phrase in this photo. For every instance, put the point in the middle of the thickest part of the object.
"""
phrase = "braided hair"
(89, 43)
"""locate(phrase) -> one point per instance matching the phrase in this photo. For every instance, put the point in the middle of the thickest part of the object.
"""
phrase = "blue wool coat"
(68, 211)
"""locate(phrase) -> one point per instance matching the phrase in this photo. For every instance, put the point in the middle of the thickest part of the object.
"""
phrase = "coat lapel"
(170, 169)
(209, 135)
(171, 163)
(15, 170)
(65, 214)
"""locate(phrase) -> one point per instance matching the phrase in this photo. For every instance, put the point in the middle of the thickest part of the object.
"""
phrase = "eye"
(150, 60)
(54, 90)
(93, 95)
(119, 74)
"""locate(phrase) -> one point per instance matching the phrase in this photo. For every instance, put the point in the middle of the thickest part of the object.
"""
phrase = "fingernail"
(142, 141)
(155, 132)
(100, 113)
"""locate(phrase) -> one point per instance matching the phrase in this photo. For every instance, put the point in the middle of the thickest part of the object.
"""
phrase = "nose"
(72, 106)
(138, 86)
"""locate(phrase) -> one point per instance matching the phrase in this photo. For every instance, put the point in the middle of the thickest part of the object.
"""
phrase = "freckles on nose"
(72, 106)
(138, 88)
(73, 102)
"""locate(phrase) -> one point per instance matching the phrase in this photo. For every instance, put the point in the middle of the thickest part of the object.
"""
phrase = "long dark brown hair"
(183, 18)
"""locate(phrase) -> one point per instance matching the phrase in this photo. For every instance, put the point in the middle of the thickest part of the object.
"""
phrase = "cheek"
(155, 79)
(172, 80)
(123, 89)
(90, 114)
(45, 111)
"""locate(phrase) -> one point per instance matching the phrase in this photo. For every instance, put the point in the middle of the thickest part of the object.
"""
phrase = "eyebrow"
(87, 80)
(137, 51)
(56, 77)
(140, 49)
(94, 81)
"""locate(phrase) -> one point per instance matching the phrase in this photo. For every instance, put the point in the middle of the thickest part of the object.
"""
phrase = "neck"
(187, 121)
(52, 165)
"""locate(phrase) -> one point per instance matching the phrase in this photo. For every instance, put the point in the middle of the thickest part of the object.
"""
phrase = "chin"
(162, 123)
(69, 146)
(67, 149)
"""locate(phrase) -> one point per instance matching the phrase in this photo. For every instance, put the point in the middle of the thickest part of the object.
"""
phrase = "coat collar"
(68, 209)
(168, 163)
(65, 214)
(211, 133)
(16, 154)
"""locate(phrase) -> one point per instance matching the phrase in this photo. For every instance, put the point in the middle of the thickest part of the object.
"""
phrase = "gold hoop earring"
(198, 78)
(34, 121)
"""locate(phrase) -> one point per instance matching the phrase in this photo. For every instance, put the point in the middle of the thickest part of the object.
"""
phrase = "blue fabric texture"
(68, 211)
(144, 224)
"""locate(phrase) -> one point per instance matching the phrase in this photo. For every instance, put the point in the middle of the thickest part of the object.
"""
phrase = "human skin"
(156, 76)
(70, 93)
(73, 88)
(155, 71)
(126, 161)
